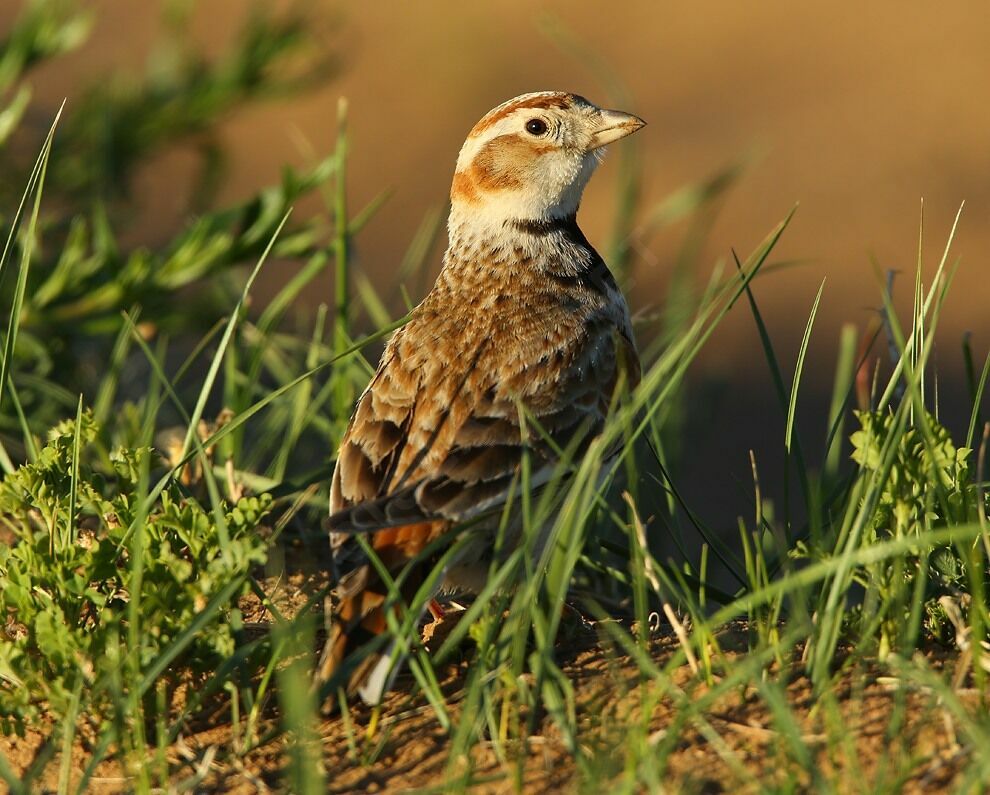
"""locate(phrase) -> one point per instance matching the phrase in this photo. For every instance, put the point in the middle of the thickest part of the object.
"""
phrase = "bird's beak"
(614, 125)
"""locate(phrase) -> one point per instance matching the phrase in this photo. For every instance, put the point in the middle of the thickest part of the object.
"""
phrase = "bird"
(524, 316)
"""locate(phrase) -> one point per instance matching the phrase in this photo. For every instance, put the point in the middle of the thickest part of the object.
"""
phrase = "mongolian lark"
(524, 313)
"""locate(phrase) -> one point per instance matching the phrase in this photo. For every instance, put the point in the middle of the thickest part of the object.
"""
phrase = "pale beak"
(614, 125)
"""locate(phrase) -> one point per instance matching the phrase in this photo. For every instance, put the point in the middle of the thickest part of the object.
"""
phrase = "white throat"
(492, 211)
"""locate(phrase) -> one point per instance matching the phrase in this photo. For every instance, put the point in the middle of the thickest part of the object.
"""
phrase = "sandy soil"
(875, 733)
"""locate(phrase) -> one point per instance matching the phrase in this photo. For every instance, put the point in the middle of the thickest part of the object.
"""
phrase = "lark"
(524, 320)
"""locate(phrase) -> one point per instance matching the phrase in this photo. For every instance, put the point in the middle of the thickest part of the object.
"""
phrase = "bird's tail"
(358, 621)
(359, 656)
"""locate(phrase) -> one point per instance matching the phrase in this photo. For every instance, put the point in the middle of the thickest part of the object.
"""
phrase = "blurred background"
(855, 113)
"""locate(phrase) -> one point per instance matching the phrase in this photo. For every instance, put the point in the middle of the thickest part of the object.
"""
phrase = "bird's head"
(530, 158)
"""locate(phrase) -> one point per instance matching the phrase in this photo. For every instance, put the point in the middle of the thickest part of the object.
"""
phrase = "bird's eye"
(536, 126)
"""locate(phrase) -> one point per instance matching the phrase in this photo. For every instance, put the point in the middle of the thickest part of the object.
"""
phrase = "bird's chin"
(596, 156)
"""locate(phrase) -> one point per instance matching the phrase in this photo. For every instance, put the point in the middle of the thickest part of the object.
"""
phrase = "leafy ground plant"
(80, 587)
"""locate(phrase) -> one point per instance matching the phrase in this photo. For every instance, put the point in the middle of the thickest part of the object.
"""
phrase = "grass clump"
(929, 486)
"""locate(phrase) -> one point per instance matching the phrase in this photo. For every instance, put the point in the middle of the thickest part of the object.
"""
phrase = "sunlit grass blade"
(798, 368)
(70, 538)
(300, 712)
(974, 417)
(218, 357)
(15, 785)
(924, 307)
(34, 189)
(841, 392)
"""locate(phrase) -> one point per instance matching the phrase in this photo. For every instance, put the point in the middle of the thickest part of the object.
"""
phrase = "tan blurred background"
(857, 111)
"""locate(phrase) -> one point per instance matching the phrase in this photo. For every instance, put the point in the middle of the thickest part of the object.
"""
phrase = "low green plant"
(928, 486)
(69, 586)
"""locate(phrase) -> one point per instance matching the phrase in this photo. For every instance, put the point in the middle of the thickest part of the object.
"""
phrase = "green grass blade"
(974, 417)
(799, 367)
(925, 307)
(214, 368)
(14, 784)
(184, 638)
(35, 187)
(74, 480)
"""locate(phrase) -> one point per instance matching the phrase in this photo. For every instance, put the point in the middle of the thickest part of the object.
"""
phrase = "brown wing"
(436, 439)
(448, 449)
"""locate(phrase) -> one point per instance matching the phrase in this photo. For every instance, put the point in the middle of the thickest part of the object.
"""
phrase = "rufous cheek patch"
(463, 189)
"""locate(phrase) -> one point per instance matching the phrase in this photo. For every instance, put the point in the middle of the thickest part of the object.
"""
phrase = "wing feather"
(450, 459)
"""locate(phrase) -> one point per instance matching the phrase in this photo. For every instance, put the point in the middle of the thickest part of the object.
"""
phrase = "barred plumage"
(524, 311)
